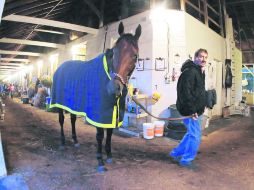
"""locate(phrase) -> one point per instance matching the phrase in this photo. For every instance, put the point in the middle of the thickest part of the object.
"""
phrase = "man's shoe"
(174, 160)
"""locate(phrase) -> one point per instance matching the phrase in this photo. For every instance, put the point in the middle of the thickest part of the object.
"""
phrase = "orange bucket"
(159, 128)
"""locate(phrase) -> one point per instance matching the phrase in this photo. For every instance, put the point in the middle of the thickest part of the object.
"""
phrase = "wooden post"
(182, 5)
(223, 13)
(206, 13)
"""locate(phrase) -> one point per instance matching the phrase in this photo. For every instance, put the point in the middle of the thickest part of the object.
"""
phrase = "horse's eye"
(135, 57)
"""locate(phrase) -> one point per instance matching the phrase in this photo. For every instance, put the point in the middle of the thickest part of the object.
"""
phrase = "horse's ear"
(121, 29)
(138, 32)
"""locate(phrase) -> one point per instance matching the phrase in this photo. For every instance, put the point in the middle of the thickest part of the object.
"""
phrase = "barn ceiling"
(242, 13)
(25, 24)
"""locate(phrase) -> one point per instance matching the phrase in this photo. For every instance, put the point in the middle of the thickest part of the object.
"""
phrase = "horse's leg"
(74, 136)
(61, 121)
(108, 146)
(99, 138)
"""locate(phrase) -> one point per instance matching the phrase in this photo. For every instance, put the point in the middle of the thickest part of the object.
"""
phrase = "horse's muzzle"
(115, 87)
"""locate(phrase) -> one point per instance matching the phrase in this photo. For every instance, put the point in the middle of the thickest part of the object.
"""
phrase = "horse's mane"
(129, 38)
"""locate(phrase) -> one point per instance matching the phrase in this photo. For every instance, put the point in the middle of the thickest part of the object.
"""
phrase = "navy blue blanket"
(80, 88)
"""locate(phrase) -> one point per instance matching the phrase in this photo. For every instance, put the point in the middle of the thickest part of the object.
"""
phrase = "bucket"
(148, 130)
(176, 131)
(159, 128)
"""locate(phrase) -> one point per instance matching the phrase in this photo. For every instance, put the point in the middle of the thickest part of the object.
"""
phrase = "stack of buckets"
(155, 129)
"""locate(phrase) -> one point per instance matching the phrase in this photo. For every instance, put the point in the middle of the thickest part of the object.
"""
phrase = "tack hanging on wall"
(160, 64)
(140, 65)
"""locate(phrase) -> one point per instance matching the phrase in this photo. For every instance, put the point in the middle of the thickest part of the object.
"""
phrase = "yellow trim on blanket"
(118, 108)
(114, 116)
(96, 124)
(105, 65)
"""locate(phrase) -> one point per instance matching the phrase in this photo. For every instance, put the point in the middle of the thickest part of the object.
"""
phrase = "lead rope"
(159, 118)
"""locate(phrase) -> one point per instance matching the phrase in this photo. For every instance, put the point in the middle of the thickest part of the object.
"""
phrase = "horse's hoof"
(109, 160)
(101, 169)
(76, 145)
(61, 147)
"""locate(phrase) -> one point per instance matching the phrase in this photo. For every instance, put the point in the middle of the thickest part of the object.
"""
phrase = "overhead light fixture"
(74, 49)
(39, 63)
(52, 58)
(73, 36)
(158, 13)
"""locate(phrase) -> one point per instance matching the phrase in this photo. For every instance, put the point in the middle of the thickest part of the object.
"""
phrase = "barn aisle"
(31, 138)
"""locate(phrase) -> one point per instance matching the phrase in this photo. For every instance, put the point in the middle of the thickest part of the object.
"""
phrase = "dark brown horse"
(97, 89)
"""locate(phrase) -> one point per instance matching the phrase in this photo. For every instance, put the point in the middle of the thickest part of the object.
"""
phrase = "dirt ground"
(31, 140)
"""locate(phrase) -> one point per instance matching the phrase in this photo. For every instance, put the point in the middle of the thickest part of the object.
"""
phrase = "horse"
(97, 90)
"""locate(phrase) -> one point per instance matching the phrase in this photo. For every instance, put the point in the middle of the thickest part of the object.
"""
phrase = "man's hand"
(195, 116)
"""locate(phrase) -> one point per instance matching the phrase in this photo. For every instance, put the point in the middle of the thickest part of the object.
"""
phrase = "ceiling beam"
(20, 53)
(31, 42)
(11, 64)
(53, 14)
(15, 4)
(48, 31)
(8, 68)
(5, 30)
(53, 23)
(46, 12)
(5, 69)
(14, 59)
(17, 7)
(34, 7)
(239, 2)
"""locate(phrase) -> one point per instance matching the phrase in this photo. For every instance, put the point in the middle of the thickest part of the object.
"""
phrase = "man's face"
(201, 59)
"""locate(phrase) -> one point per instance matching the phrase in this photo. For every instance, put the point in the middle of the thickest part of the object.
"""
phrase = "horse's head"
(123, 57)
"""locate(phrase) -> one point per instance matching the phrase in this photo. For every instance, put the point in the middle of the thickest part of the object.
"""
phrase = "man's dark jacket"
(191, 93)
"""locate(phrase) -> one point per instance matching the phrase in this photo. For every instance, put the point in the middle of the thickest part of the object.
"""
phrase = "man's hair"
(199, 51)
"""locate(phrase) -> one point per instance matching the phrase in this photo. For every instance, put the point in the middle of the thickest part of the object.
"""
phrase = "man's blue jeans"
(189, 145)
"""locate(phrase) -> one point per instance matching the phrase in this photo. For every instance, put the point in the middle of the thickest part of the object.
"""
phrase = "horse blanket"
(80, 88)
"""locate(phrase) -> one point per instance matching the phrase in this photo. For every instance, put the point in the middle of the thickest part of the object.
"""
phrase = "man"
(191, 100)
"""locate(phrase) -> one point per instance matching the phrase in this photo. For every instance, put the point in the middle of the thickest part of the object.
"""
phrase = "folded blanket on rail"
(80, 88)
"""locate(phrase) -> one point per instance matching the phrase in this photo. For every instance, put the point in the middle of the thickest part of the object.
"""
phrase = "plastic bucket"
(158, 128)
(148, 130)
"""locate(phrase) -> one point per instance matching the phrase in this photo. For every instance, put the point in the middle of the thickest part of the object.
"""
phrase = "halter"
(119, 77)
